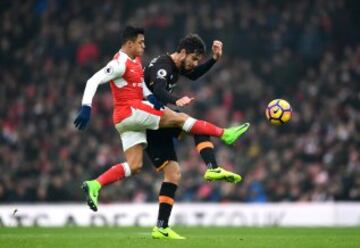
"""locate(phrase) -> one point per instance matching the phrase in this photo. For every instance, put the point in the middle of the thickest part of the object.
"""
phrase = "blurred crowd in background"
(305, 51)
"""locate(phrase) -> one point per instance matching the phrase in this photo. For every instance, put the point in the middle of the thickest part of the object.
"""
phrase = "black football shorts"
(160, 148)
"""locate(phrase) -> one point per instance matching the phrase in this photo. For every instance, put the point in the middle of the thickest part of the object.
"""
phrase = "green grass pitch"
(197, 237)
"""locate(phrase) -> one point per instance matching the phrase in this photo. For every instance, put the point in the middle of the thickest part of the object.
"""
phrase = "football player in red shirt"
(133, 115)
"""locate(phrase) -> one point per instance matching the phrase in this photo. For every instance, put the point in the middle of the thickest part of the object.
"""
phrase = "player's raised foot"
(91, 190)
(219, 173)
(165, 233)
(231, 134)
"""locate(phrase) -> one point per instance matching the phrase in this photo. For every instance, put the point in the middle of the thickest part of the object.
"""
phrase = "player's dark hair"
(192, 43)
(130, 33)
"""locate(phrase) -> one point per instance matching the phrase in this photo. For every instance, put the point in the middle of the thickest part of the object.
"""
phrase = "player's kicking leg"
(230, 135)
(214, 172)
(200, 127)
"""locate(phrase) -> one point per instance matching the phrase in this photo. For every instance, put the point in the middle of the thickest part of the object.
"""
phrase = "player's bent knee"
(134, 157)
(173, 119)
(182, 117)
(173, 178)
(177, 177)
(172, 173)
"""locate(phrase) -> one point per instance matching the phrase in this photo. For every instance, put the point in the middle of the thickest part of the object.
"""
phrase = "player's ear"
(130, 43)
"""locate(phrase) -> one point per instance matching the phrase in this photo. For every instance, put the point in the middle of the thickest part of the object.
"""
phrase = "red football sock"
(202, 128)
(115, 173)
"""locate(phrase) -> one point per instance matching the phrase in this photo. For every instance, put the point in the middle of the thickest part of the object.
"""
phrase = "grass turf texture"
(197, 237)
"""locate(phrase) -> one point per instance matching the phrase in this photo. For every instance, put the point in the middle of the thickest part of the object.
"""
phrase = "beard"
(182, 68)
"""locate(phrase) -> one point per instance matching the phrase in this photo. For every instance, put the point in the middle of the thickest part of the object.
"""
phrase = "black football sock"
(166, 202)
(206, 149)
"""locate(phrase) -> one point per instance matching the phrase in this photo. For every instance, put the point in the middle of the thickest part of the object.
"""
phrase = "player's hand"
(185, 100)
(154, 101)
(83, 117)
(217, 49)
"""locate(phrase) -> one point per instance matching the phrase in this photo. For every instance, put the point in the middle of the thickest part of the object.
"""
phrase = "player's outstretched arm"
(200, 70)
(111, 71)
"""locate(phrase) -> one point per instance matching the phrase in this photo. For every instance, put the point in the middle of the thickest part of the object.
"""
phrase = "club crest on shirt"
(161, 73)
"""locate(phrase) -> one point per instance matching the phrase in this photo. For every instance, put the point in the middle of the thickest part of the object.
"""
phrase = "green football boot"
(165, 233)
(219, 173)
(231, 134)
(91, 190)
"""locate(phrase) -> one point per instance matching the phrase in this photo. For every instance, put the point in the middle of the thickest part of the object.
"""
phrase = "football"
(278, 112)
